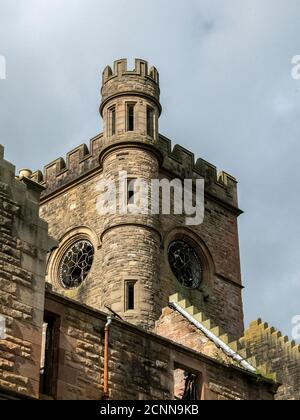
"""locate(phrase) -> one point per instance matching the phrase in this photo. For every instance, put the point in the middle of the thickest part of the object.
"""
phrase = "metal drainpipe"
(106, 357)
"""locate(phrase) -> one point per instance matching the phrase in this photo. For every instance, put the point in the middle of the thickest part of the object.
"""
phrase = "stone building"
(174, 289)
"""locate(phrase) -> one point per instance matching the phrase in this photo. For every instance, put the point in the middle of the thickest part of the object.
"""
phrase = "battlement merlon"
(140, 82)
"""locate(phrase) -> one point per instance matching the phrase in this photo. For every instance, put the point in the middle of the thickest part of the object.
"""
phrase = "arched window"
(76, 264)
(186, 264)
(71, 263)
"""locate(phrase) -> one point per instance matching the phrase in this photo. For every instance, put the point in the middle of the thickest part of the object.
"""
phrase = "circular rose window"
(76, 264)
(185, 264)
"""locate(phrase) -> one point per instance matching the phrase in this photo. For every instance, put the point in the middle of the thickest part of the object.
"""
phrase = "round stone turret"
(131, 242)
(130, 104)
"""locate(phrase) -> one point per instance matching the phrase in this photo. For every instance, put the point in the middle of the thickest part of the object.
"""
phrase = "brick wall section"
(24, 243)
(281, 355)
(141, 364)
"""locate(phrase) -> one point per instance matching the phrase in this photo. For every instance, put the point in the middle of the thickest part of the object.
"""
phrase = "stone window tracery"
(185, 264)
(76, 264)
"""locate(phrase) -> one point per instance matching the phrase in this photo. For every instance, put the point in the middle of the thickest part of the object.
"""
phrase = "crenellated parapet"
(130, 108)
(177, 161)
(120, 81)
(121, 69)
(261, 331)
(281, 354)
(79, 163)
(180, 162)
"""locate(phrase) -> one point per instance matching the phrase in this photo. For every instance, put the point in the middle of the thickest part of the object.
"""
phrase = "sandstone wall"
(270, 347)
(24, 242)
(135, 248)
(74, 209)
(142, 365)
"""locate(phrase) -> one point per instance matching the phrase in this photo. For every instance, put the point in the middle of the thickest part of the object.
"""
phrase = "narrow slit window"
(113, 121)
(130, 296)
(130, 117)
(131, 191)
(150, 122)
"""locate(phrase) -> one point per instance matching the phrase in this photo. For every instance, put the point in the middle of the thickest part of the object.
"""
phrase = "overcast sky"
(227, 94)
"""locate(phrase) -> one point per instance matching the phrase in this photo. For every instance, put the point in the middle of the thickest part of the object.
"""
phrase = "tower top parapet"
(120, 81)
(121, 69)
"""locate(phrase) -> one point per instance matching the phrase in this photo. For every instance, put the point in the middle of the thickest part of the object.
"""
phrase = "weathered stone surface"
(23, 237)
(127, 248)
(281, 355)
(142, 365)
(134, 247)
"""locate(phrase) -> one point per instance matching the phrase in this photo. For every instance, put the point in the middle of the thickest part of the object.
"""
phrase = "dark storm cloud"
(227, 93)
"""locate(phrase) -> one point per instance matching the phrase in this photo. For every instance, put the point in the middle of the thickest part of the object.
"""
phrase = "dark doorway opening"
(49, 357)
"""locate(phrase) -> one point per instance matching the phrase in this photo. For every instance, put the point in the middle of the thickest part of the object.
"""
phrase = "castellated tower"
(131, 243)
(132, 263)
(130, 103)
